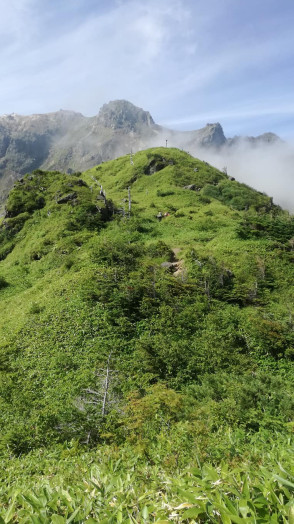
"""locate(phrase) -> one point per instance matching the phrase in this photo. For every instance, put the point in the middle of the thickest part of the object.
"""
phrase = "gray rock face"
(70, 142)
(67, 198)
(121, 114)
(211, 135)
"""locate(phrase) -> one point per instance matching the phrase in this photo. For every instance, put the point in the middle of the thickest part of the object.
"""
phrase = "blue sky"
(187, 62)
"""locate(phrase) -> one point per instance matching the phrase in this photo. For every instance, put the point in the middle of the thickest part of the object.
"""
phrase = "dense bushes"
(279, 228)
(23, 201)
(238, 196)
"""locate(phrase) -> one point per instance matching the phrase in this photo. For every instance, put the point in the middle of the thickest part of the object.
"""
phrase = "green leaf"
(243, 508)
(72, 516)
(146, 494)
(291, 514)
(192, 513)
(239, 520)
(284, 471)
(245, 488)
(225, 518)
(230, 505)
(10, 512)
(34, 501)
(37, 520)
(283, 481)
(187, 496)
(57, 519)
(145, 513)
(196, 472)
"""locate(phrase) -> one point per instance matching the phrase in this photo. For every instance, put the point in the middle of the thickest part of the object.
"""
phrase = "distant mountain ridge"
(68, 141)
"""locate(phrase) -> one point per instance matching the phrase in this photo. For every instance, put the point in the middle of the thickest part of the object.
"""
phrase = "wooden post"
(130, 200)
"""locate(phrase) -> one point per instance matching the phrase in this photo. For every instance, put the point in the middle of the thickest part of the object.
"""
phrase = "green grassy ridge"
(197, 349)
(176, 170)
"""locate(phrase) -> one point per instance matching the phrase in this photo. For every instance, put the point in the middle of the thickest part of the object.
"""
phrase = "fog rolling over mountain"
(266, 167)
(264, 162)
(68, 141)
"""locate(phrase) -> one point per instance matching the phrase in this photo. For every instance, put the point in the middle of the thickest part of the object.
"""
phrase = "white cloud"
(267, 169)
(114, 51)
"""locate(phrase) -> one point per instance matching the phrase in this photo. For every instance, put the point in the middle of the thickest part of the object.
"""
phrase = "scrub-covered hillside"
(146, 311)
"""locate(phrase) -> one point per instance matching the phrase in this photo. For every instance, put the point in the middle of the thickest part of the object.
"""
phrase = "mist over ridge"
(68, 141)
(266, 168)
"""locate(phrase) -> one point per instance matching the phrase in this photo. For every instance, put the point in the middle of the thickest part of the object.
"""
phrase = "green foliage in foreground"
(146, 342)
(110, 486)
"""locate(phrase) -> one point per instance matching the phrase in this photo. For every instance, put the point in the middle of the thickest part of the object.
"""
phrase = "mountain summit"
(121, 114)
(214, 135)
(211, 135)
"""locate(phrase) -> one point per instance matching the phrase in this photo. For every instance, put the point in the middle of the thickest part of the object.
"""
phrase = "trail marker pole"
(130, 200)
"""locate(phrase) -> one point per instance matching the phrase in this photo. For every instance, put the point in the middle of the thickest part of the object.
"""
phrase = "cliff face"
(69, 141)
(211, 135)
(27, 142)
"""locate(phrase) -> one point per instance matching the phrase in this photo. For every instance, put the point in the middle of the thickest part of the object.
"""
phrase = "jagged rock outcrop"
(120, 114)
(211, 135)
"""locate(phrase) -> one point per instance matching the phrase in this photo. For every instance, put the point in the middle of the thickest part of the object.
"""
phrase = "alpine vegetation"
(147, 345)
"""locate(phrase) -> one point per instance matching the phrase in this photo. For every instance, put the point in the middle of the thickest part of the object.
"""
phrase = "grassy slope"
(78, 284)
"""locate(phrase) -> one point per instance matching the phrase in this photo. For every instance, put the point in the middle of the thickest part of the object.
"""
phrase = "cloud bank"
(268, 169)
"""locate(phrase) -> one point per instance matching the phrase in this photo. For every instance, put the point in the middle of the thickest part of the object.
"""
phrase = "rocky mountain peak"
(121, 114)
(212, 134)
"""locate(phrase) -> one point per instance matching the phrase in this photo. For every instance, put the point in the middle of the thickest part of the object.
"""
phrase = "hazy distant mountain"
(69, 141)
(265, 138)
